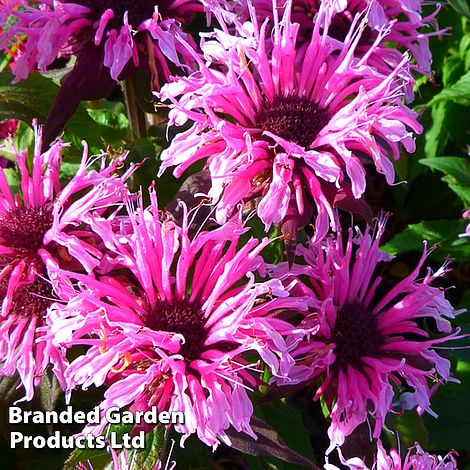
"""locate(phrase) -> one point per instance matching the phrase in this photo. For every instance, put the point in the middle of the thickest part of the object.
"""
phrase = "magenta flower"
(7, 129)
(415, 459)
(291, 128)
(176, 341)
(110, 39)
(367, 344)
(40, 228)
(466, 215)
(402, 20)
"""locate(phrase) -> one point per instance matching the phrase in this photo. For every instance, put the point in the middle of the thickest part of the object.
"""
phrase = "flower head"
(466, 215)
(289, 127)
(169, 328)
(403, 22)
(41, 228)
(415, 459)
(111, 39)
(125, 32)
(367, 343)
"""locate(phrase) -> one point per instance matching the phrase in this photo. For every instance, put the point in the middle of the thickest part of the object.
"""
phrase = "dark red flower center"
(184, 318)
(355, 335)
(23, 228)
(293, 118)
(138, 10)
(29, 300)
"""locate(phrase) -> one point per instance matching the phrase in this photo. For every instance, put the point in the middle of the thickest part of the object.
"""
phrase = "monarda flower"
(367, 343)
(7, 129)
(170, 327)
(415, 459)
(41, 227)
(292, 129)
(402, 22)
(466, 215)
(110, 39)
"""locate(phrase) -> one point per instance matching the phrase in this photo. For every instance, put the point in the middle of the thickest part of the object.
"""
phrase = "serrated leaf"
(411, 429)
(287, 420)
(12, 179)
(462, 191)
(99, 458)
(436, 136)
(451, 429)
(268, 443)
(147, 459)
(33, 98)
(452, 70)
(461, 6)
(88, 455)
(10, 389)
(48, 391)
(457, 168)
(67, 171)
(24, 137)
(115, 125)
(459, 92)
(443, 233)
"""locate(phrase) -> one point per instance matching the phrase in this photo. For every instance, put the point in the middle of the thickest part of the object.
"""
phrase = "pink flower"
(466, 215)
(367, 343)
(111, 39)
(415, 459)
(169, 328)
(406, 29)
(7, 129)
(40, 227)
(119, 28)
(291, 128)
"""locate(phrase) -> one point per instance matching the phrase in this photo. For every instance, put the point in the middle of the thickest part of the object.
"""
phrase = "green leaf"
(410, 427)
(67, 171)
(457, 168)
(451, 429)
(461, 6)
(12, 179)
(437, 135)
(146, 459)
(32, 99)
(48, 391)
(269, 443)
(115, 125)
(24, 137)
(459, 92)
(443, 233)
(99, 458)
(287, 420)
(462, 191)
(453, 69)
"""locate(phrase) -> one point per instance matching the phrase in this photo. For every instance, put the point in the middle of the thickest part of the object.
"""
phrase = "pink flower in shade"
(415, 459)
(120, 28)
(40, 228)
(406, 29)
(290, 128)
(110, 38)
(125, 460)
(367, 344)
(466, 215)
(7, 129)
(171, 330)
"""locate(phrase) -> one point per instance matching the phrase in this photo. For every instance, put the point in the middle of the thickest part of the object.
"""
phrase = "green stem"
(136, 115)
